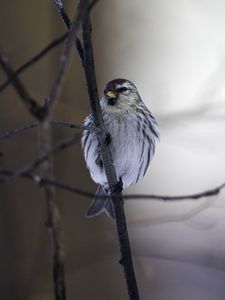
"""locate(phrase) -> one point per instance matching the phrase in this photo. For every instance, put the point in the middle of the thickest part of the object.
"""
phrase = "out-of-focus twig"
(65, 57)
(33, 107)
(33, 60)
(15, 131)
(62, 145)
(63, 14)
(53, 216)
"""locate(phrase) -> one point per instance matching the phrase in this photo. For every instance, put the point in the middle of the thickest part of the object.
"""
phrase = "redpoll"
(132, 132)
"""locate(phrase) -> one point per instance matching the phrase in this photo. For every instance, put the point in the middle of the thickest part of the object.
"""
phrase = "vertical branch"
(53, 216)
(43, 115)
(45, 144)
(89, 68)
(52, 213)
(63, 14)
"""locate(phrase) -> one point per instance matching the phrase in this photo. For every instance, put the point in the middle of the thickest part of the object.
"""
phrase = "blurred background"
(174, 51)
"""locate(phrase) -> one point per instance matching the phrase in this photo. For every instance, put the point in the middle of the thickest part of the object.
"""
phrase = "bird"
(131, 133)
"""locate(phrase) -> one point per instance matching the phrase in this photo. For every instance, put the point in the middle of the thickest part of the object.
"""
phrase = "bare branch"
(89, 68)
(62, 145)
(45, 50)
(44, 130)
(73, 125)
(63, 14)
(208, 193)
(32, 106)
(15, 131)
(65, 55)
(33, 60)
(35, 109)
(167, 198)
(53, 216)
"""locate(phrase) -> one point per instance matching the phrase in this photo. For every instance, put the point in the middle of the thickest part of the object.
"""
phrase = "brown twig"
(33, 107)
(66, 54)
(62, 145)
(33, 60)
(44, 130)
(15, 131)
(63, 14)
(42, 114)
(167, 198)
(53, 215)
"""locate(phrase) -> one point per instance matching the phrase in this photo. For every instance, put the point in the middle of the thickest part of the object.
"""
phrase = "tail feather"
(109, 208)
(99, 205)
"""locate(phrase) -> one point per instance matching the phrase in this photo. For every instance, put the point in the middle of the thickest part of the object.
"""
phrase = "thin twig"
(73, 125)
(14, 74)
(62, 145)
(15, 131)
(61, 10)
(65, 57)
(89, 67)
(63, 14)
(44, 130)
(53, 216)
(33, 107)
(167, 198)
(33, 60)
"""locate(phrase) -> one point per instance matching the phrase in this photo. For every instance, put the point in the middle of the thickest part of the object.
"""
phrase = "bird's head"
(120, 93)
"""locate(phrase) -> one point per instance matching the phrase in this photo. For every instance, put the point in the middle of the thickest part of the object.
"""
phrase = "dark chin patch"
(112, 101)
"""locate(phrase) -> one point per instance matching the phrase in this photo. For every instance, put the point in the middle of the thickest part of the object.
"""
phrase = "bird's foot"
(118, 187)
(108, 139)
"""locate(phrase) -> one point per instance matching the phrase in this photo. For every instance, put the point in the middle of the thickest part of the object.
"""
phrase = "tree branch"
(33, 60)
(15, 131)
(62, 145)
(67, 51)
(33, 107)
(89, 68)
(44, 130)
(167, 198)
(39, 112)
(63, 14)
(53, 216)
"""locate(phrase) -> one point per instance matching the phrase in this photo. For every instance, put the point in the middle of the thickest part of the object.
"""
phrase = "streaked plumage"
(133, 131)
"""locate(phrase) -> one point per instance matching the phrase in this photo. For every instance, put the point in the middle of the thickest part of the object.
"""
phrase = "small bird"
(132, 132)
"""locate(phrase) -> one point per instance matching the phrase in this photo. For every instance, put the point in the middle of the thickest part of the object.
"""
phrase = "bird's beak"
(111, 95)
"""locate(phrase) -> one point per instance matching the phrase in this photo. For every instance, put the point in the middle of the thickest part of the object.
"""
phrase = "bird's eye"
(122, 89)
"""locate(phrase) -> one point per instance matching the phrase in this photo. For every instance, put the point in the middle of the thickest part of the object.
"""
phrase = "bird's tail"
(99, 205)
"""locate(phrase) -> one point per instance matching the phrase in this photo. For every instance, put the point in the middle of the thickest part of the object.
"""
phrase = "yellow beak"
(111, 95)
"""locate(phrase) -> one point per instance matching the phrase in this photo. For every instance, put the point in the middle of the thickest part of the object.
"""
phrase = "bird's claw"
(118, 187)
(108, 139)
